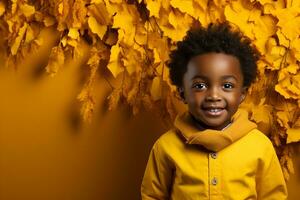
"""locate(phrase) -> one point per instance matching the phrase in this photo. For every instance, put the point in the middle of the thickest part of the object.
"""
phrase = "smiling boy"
(213, 89)
(213, 151)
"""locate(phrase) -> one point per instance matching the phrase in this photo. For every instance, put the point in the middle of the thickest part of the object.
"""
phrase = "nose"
(213, 94)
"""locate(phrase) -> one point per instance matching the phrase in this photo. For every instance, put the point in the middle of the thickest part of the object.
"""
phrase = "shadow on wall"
(47, 153)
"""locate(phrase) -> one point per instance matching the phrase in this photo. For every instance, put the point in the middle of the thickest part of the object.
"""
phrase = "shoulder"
(168, 139)
(258, 138)
(258, 142)
(170, 143)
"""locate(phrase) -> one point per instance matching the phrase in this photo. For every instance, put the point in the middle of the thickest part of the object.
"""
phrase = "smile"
(214, 111)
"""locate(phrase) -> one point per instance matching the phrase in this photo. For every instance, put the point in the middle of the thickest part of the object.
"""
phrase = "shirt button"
(213, 155)
(214, 181)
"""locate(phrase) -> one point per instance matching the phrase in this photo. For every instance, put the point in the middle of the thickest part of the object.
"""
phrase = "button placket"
(213, 155)
(214, 174)
(214, 181)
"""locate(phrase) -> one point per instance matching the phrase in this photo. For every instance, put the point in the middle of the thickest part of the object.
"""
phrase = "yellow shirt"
(234, 166)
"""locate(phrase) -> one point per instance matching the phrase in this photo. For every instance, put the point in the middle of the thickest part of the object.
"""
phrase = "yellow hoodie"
(236, 163)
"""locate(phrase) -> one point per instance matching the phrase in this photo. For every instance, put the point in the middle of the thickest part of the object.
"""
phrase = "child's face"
(213, 89)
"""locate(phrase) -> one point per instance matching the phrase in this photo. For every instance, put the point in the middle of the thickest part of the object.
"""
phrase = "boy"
(214, 151)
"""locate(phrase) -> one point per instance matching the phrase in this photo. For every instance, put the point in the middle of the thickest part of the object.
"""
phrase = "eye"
(200, 86)
(228, 85)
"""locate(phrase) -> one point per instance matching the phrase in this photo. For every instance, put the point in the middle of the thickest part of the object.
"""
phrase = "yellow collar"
(214, 140)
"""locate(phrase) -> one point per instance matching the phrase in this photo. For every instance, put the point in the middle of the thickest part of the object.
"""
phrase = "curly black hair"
(217, 38)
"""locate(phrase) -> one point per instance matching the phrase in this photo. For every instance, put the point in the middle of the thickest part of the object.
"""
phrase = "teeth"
(215, 110)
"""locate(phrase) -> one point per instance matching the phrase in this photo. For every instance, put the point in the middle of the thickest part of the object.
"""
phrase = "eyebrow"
(223, 77)
(228, 77)
(199, 76)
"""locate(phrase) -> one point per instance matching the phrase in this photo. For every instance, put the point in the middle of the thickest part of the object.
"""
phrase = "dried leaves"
(135, 39)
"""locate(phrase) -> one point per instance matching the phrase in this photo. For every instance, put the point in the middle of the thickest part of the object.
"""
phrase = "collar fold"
(214, 140)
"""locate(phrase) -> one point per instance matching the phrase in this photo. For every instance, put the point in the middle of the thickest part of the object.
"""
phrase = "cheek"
(234, 100)
(194, 100)
(197, 98)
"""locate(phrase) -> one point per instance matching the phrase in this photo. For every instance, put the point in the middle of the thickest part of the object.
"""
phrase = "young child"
(213, 151)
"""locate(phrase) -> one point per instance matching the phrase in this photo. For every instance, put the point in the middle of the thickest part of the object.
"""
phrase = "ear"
(181, 94)
(244, 92)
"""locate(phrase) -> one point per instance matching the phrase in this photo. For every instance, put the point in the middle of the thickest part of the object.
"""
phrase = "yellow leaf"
(185, 6)
(56, 59)
(283, 119)
(88, 103)
(112, 8)
(96, 1)
(289, 22)
(114, 53)
(282, 90)
(73, 33)
(114, 64)
(202, 4)
(141, 35)
(238, 15)
(124, 20)
(293, 135)
(173, 19)
(96, 28)
(79, 12)
(154, 7)
(274, 53)
(100, 13)
(72, 42)
(49, 21)
(163, 71)
(61, 8)
(282, 39)
(156, 56)
(156, 88)
(165, 4)
(288, 84)
(14, 6)
(114, 98)
(200, 12)
(295, 47)
(126, 38)
(270, 6)
(94, 60)
(292, 68)
(27, 10)
(177, 34)
(29, 35)
(10, 25)
(19, 38)
(2, 8)
(116, 1)
(132, 60)
(63, 41)
(264, 27)
(261, 113)
(139, 58)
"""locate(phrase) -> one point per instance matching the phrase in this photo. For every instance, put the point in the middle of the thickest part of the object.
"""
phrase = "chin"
(215, 126)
